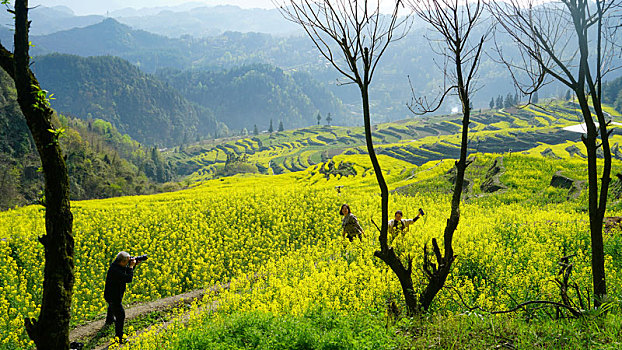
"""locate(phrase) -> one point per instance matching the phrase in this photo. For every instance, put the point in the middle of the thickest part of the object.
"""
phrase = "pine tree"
(509, 101)
(255, 130)
(270, 129)
(492, 103)
(568, 95)
(328, 119)
(319, 117)
(499, 102)
(281, 126)
(534, 97)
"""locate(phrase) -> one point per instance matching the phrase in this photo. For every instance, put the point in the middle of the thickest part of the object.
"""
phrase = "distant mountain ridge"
(206, 21)
(410, 59)
(194, 19)
(108, 37)
(47, 20)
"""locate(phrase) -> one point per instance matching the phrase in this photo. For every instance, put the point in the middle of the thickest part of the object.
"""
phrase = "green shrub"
(315, 330)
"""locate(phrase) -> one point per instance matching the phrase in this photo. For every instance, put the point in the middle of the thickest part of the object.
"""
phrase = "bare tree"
(353, 35)
(51, 330)
(453, 23)
(569, 42)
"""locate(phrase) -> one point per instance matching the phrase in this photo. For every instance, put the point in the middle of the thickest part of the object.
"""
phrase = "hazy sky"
(86, 7)
(83, 7)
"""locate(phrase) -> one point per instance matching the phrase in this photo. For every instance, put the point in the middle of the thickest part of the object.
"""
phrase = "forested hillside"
(114, 90)
(175, 107)
(252, 95)
(101, 161)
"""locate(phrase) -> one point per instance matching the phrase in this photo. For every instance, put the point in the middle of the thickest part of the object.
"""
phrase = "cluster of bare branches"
(452, 24)
(576, 306)
(351, 35)
(546, 37)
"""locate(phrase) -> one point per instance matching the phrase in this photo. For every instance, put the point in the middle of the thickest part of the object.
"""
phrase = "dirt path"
(164, 325)
(85, 332)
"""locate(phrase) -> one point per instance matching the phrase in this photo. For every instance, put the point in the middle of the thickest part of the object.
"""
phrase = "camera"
(140, 257)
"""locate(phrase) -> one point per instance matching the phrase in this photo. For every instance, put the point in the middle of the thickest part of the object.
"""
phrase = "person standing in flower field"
(350, 224)
(398, 227)
(120, 273)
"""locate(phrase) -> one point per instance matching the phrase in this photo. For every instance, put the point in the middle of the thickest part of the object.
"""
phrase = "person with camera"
(120, 272)
(398, 227)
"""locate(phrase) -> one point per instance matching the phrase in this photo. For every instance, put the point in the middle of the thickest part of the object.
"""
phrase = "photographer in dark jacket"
(121, 271)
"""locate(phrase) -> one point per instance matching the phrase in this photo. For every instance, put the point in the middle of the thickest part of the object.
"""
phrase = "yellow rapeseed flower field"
(278, 240)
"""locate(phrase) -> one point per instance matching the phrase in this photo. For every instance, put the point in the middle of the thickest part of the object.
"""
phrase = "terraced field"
(416, 140)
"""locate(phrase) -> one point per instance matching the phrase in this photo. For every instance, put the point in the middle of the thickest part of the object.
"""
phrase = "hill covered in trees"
(114, 90)
(101, 161)
(178, 107)
(253, 95)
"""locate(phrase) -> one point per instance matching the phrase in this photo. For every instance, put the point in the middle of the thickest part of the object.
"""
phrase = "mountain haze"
(410, 58)
(209, 21)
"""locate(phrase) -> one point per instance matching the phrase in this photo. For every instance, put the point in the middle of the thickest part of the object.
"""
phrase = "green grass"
(315, 330)
(477, 331)
(331, 330)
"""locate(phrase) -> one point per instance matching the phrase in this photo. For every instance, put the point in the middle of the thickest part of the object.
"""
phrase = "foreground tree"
(51, 330)
(353, 35)
(453, 26)
(546, 37)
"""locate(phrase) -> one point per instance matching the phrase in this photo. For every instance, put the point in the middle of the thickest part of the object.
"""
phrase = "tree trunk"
(596, 229)
(596, 212)
(437, 277)
(597, 200)
(386, 253)
(51, 330)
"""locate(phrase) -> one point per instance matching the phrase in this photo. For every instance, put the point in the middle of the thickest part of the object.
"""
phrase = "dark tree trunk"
(51, 330)
(540, 40)
(438, 276)
(386, 253)
(599, 207)
(597, 200)
(596, 211)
